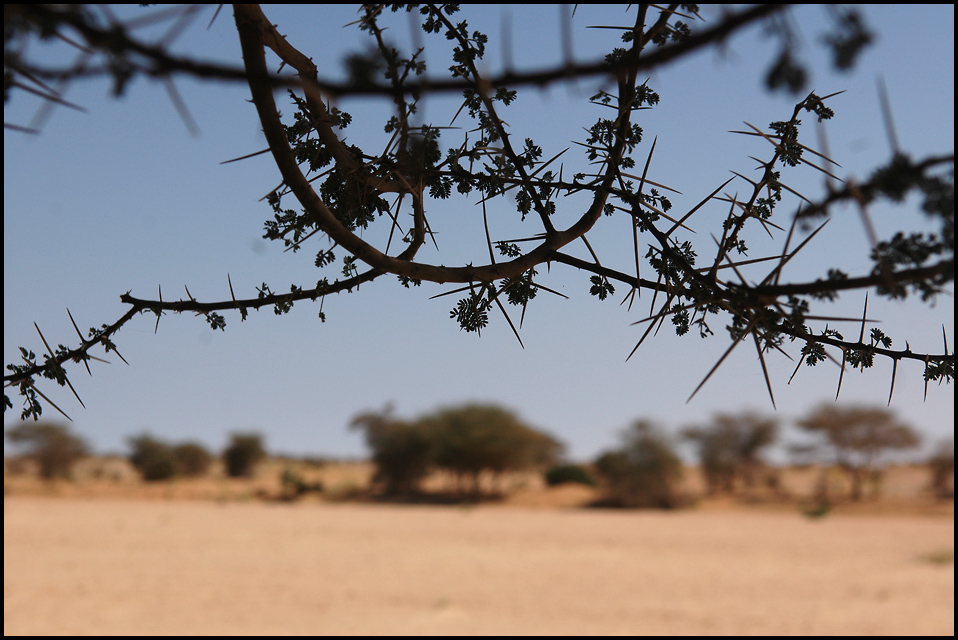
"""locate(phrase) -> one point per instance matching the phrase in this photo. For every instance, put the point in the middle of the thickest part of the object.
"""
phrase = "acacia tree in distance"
(466, 440)
(52, 446)
(476, 438)
(333, 191)
(730, 448)
(859, 436)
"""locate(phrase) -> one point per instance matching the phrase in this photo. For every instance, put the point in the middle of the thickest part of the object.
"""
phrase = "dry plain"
(117, 565)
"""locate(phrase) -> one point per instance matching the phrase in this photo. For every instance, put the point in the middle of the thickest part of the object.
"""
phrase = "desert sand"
(76, 565)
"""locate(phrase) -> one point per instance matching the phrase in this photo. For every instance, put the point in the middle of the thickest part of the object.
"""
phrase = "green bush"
(644, 472)
(569, 473)
(193, 458)
(51, 445)
(154, 459)
(294, 486)
(242, 455)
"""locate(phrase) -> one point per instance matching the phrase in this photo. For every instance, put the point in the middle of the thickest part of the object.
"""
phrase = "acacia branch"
(141, 305)
(944, 270)
(758, 309)
(254, 30)
(163, 64)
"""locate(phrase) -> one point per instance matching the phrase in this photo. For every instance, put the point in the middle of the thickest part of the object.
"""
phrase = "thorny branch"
(157, 62)
(350, 196)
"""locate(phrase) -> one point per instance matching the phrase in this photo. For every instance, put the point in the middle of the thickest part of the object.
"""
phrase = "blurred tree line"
(473, 440)
(645, 471)
(159, 460)
(55, 450)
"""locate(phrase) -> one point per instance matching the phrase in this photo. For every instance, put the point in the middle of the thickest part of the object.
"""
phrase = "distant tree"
(402, 452)
(334, 195)
(244, 452)
(51, 445)
(942, 465)
(474, 438)
(158, 460)
(729, 448)
(194, 459)
(466, 440)
(644, 472)
(858, 437)
(153, 458)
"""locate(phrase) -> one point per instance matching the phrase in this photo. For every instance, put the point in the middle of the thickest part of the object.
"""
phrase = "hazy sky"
(123, 198)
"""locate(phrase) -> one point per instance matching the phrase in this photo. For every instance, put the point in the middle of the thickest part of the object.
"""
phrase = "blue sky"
(122, 197)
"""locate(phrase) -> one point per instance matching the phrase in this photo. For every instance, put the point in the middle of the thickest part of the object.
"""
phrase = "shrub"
(564, 473)
(154, 459)
(644, 472)
(51, 445)
(243, 454)
(294, 486)
(193, 458)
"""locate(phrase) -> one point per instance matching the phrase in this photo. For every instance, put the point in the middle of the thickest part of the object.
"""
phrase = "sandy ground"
(116, 566)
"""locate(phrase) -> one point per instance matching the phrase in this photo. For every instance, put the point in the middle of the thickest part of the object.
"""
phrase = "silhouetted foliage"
(643, 473)
(244, 452)
(729, 449)
(858, 437)
(564, 473)
(332, 192)
(50, 445)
